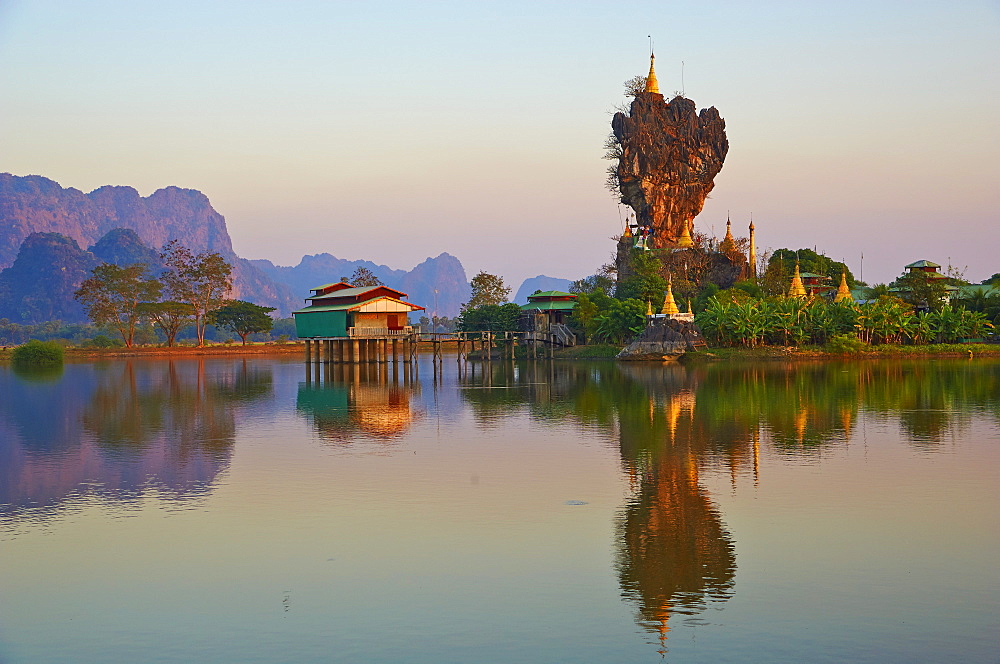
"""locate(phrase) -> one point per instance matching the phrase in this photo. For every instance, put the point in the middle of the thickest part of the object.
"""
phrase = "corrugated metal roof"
(552, 293)
(557, 305)
(348, 292)
(922, 263)
(329, 307)
(325, 286)
(347, 306)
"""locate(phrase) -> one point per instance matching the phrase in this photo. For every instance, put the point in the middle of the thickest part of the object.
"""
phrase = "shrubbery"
(38, 354)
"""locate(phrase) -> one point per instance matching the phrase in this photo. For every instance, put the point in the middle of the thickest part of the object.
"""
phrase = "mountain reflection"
(347, 403)
(116, 429)
(674, 553)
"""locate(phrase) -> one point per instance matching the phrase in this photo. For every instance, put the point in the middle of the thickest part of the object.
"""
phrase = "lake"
(230, 510)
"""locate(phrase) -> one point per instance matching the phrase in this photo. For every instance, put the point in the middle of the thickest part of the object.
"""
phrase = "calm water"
(249, 511)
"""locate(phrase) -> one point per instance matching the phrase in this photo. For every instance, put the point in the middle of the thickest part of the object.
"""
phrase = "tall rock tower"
(668, 157)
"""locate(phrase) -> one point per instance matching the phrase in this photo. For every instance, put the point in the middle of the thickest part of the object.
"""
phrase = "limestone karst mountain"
(117, 225)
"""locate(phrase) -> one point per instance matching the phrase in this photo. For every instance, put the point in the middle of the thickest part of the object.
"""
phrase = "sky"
(394, 131)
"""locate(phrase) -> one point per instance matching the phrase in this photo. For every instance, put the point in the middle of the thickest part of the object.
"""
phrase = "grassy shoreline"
(590, 352)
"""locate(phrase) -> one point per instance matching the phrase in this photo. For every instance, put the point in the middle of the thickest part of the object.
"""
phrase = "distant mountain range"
(44, 227)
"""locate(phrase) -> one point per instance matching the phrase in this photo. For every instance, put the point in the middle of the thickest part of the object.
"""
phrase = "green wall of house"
(320, 324)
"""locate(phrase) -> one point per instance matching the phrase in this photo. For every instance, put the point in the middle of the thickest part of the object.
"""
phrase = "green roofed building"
(555, 306)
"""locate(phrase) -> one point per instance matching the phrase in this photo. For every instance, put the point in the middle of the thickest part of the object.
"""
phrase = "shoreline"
(588, 352)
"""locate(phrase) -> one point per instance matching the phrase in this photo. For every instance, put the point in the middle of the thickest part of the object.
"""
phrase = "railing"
(377, 332)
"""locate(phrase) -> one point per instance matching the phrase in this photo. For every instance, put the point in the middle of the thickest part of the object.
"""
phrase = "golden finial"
(843, 293)
(669, 306)
(797, 289)
(651, 84)
(685, 241)
(649, 308)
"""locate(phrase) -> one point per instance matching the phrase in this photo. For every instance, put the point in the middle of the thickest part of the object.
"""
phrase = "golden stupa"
(843, 293)
(669, 306)
(728, 243)
(685, 241)
(797, 289)
(651, 84)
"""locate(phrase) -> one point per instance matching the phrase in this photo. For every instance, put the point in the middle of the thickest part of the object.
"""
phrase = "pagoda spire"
(728, 243)
(797, 289)
(753, 252)
(843, 293)
(669, 306)
(651, 84)
(685, 241)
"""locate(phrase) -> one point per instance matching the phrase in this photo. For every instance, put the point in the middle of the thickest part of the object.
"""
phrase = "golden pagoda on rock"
(685, 241)
(843, 293)
(651, 84)
(797, 289)
(669, 306)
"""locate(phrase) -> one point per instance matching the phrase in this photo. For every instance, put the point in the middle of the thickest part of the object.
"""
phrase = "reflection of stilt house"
(356, 324)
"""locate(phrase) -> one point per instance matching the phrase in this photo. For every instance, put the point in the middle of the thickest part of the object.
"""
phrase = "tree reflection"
(352, 402)
(118, 428)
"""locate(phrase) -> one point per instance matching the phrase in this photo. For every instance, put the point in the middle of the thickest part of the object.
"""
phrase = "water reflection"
(675, 554)
(347, 403)
(116, 429)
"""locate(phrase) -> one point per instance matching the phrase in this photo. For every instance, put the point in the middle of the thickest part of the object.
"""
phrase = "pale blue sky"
(394, 131)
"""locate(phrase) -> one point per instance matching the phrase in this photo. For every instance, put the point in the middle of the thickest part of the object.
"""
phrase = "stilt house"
(342, 311)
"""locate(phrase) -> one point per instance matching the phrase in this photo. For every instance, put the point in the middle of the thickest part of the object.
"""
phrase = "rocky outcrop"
(35, 204)
(663, 339)
(668, 157)
(39, 286)
(540, 283)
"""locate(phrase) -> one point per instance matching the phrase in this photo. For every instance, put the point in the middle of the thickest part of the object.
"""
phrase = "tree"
(171, 317)
(923, 292)
(490, 317)
(781, 266)
(994, 280)
(646, 284)
(201, 280)
(112, 296)
(243, 318)
(487, 289)
(622, 320)
(364, 277)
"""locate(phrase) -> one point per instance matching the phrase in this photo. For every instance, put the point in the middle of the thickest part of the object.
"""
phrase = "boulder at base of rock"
(663, 339)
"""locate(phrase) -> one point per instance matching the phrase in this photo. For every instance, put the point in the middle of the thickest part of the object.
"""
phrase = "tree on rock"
(113, 294)
(201, 280)
(243, 318)
(487, 289)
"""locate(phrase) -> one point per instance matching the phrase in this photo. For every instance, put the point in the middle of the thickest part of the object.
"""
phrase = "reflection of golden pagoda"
(675, 555)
